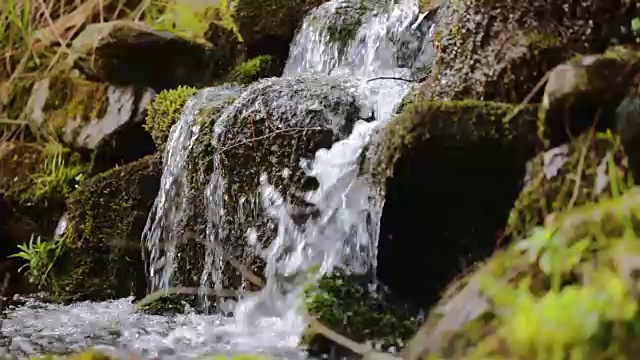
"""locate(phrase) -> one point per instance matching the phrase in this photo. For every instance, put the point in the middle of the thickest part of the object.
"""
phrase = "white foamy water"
(115, 328)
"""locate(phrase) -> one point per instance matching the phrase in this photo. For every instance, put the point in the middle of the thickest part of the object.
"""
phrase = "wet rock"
(269, 130)
(451, 171)
(499, 50)
(267, 27)
(82, 113)
(129, 53)
(101, 256)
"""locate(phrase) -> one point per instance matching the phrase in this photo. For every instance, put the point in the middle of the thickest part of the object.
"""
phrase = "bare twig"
(266, 136)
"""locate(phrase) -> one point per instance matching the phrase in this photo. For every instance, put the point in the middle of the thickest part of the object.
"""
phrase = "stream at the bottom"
(36, 328)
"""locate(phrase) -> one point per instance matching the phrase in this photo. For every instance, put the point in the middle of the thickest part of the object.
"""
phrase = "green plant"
(58, 175)
(39, 256)
(187, 20)
(165, 111)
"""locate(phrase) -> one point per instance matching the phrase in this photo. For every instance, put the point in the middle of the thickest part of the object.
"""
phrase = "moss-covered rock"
(80, 112)
(350, 306)
(35, 180)
(191, 159)
(106, 216)
(165, 111)
(129, 53)
(450, 172)
(499, 50)
(515, 305)
(579, 95)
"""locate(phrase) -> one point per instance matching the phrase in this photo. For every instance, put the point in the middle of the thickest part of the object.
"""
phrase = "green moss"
(452, 123)
(55, 174)
(346, 305)
(165, 111)
(106, 216)
(255, 69)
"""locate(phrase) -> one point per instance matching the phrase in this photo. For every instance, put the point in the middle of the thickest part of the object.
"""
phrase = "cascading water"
(387, 45)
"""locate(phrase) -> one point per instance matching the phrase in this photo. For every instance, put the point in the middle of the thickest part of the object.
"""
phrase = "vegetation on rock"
(106, 215)
(351, 307)
(165, 111)
(516, 304)
(256, 68)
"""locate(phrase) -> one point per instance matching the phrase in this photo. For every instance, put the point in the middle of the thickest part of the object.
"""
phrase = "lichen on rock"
(106, 216)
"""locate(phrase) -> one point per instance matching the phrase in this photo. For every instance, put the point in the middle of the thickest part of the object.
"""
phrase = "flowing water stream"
(384, 39)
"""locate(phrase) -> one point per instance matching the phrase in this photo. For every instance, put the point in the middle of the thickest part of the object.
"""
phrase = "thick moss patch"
(451, 172)
(106, 217)
(165, 111)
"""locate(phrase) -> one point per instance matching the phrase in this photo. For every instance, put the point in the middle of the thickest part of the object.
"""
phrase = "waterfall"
(369, 44)
(387, 42)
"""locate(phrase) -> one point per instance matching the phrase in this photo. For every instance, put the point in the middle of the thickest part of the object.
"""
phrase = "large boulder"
(451, 171)
(128, 53)
(499, 50)
(275, 125)
(101, 254)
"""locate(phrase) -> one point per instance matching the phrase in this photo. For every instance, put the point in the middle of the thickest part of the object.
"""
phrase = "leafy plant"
(58, 175)
(39, 256)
